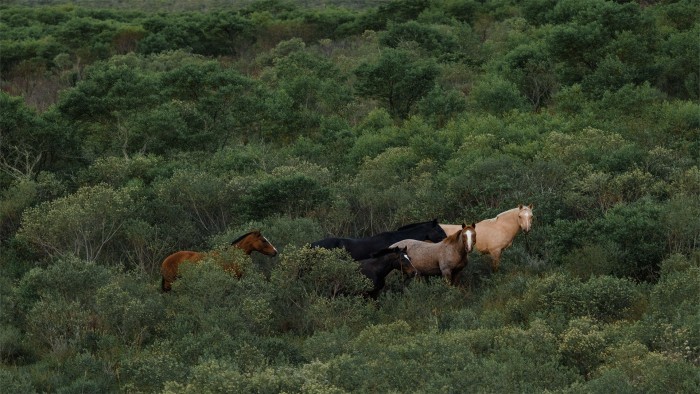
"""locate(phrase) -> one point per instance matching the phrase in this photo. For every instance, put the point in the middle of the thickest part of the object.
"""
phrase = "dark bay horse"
(250, 242)
(362, 248)
(377, 267)
(497, 234)
(447, 258)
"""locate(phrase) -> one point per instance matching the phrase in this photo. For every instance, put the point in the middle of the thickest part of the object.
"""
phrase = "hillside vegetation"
(127, 134)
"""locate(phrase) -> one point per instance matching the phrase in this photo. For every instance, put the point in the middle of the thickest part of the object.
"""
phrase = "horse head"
(436, 233)
(525, 217)
(469, 234)
(254, 241)
(404, 261)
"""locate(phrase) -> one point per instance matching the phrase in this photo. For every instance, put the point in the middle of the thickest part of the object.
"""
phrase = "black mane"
(235, 241)
(412, 225)
(386, 251)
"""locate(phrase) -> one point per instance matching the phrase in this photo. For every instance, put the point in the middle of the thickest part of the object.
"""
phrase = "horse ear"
(520, 206)
(474, 225)
(464, 225)
(530, 206)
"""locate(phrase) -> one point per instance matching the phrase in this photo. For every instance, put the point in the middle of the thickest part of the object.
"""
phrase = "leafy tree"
(83, 224)
(529, 66)
(441, 105)
(679, 65)
(28, 143)
(428, 38)
(309, 88)
(496, 95)
(293, 195)
(194, 199)
(23, 194)
(627, 226)
(108, 96)
(397, 79)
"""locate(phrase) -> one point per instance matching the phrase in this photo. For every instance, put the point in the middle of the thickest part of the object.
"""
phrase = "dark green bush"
(305, 276)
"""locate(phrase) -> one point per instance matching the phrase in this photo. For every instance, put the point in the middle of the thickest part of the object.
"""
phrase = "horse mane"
(235, 241)
(412, 225)
(454, 237)
(385, 252)
(504, 213)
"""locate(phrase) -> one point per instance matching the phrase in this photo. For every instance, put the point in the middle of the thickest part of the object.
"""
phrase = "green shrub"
(129, 309)
(148, 370)
(303, 275)
(648, 372)
(605, 298)
(497, 96)
(83, 223)
(208, 297)
(16, 380)
(69, 278)
(582, 344)
(628, 228)
(559, 299)
(423, 303)
(293, 195)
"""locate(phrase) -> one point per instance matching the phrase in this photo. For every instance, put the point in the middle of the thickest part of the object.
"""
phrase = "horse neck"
(388, 263)
(458, 240)
(508, 220)
(245, 245)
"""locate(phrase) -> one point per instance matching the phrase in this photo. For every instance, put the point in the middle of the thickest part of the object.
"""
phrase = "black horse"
(377, 267)
(362, 248)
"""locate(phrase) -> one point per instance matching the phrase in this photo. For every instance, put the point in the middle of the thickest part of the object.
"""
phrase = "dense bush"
(126, 135)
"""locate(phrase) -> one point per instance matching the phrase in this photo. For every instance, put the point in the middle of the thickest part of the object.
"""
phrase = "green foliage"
(316, 279)
(83, 224)
(428, 38)
(292, 195)
(397, 79)
(497, 96)
(129, 133)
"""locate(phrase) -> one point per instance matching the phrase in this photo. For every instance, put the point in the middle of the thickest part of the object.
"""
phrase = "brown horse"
(447, 257)
(497, 234)
(249, 243)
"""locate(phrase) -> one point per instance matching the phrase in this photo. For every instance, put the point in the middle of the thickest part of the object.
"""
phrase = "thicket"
(126, 135)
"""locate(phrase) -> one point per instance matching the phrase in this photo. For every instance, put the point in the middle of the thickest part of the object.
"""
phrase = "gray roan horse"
(447, 257)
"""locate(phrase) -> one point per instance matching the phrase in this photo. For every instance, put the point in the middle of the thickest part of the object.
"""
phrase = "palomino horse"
(377, 267)
(250, 242)
(496, 234)
(447, 257)
(362, 248)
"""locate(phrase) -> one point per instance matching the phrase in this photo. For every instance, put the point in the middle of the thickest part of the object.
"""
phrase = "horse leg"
(165, 285)
(447, 275)
(455, 275)
(496, 260)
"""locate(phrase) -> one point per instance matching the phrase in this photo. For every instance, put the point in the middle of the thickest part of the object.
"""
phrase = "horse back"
(490, 236)
(169, 266)
(327, 243)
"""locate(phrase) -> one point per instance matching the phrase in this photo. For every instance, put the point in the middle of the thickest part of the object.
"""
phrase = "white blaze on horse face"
(526, 220)
(273, 246)
(468, 234)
